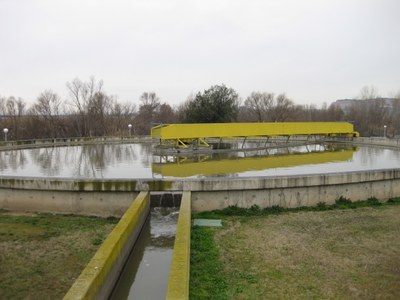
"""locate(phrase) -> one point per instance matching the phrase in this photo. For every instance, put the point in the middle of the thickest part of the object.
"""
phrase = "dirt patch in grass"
(335, 254)
(41, 255)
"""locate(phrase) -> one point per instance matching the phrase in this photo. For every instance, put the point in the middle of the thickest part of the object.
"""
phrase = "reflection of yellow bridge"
(231, 166)
(180, 135)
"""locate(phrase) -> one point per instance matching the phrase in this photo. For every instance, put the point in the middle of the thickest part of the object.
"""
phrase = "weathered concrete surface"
(103, 204)
(295, 191)
(295, 196)
(111, 197)
(99, 276)
(178, 282)
(204, 184)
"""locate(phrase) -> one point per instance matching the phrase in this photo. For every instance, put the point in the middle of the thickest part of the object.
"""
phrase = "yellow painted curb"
(95, 275)
(178, 282)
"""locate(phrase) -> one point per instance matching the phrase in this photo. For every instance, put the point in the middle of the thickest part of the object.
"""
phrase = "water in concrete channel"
(145, 275)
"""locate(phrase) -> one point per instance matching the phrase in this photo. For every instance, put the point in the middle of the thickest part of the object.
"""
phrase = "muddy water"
(146, 272)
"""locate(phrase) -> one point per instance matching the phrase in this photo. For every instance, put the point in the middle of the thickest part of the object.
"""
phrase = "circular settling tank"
(137, 161)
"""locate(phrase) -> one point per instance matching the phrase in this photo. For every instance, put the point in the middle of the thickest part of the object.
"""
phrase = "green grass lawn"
(42, 254)
(320, 253)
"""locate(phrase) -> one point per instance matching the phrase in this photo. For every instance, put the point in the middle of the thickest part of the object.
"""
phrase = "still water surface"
(133, 161)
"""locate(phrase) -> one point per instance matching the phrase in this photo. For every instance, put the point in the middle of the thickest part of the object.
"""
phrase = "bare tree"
(166, 114)
(3, 110)
(123, 114)
(81, 93)
(368, 93)
(15, 109)
(282, 109)
(183, 108)
(48, 109)
(334, 113)
(148, 109)
(99, 111)
(259, 105)
(149, 99)
(395, 116)
(370, 113)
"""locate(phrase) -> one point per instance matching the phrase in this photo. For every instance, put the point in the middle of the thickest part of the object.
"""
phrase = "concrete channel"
(100, 276)
(104, 197)
(148, 264)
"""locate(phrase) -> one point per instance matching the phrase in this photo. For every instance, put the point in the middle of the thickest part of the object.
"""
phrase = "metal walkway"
(186, 135)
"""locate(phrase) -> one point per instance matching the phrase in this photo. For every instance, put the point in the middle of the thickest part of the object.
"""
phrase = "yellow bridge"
(182, 135)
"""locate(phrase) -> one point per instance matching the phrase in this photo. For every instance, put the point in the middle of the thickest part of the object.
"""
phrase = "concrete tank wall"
(111, 197)
(102, 204)
(294, 196)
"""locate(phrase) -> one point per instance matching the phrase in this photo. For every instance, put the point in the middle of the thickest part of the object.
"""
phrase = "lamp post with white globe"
(129, 128)
(5, 130)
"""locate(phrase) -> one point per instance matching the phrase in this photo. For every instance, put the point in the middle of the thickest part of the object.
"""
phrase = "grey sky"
(314, 51)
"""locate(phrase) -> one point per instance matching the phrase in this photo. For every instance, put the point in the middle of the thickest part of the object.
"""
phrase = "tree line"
(91, 111)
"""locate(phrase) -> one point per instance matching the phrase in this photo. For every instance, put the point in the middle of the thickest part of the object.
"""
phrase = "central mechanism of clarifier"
(187, 135)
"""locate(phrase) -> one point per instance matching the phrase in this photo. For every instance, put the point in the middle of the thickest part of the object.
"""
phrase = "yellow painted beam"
(95, 274)
(230, 166)
(178, 282)
(225, 130)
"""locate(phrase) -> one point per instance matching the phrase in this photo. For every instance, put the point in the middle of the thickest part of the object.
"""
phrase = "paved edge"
(178, 282)
(98, 277)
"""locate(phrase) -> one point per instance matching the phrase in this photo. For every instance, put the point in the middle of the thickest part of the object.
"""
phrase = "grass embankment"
(41, 255)
(345, 251)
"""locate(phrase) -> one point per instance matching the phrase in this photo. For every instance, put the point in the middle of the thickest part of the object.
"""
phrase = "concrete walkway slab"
(207, 222)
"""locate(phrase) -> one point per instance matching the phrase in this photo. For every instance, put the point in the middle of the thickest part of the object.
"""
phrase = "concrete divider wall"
(178, 283)
(99, 276)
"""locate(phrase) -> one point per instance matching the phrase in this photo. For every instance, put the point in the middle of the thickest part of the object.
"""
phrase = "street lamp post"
(384, 131)
(5, 130)
(129, 128)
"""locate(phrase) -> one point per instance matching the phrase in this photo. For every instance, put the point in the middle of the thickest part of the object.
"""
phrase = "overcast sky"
(314, 51)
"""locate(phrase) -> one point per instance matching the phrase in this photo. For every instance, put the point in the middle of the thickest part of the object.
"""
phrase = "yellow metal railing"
(182, 132)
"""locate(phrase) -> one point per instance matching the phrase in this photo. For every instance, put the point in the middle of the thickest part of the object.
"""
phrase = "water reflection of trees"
(90, 161)
(98, 161)
(145, 153)
(94, 160)
(12, 159)
(370, 156)
(48, 160)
